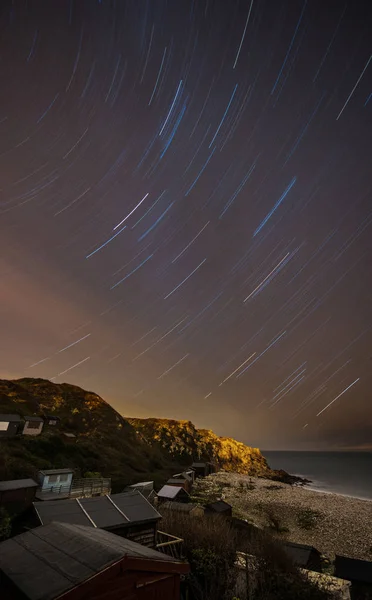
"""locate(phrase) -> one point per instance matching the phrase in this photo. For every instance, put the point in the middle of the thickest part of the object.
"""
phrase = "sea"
(346, 473)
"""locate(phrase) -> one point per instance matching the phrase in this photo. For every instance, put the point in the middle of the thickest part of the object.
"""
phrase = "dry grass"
(211, 545)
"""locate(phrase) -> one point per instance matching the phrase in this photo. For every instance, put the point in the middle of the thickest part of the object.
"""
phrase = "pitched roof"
(17, 484)
(177, 481)
(58, 557)
(299, 553)
(101, 511)
(170, 491)
(37, 419)
(56, 471)
(353, 569)
(141, 484)
(185, 475)
(10, 418)
(219, 506)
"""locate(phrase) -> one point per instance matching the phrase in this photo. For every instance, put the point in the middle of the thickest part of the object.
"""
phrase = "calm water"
(348, 473)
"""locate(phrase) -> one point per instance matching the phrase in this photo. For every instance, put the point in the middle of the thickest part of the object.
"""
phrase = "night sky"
(186, 210)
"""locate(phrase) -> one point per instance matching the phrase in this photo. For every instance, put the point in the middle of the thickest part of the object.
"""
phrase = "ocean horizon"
(339, 472)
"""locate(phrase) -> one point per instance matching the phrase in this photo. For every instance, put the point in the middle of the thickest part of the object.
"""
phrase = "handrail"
(174, 546)
(170, 535)
(81, 485)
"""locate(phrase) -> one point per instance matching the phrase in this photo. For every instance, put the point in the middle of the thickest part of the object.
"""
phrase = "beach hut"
(184, 483)
(145, 487)
(53, 483)
(220, 508)
(245, 532)
(9, 425)
(74, 562)
(128, 515)
(173, 493)
(18, 494)
(52, 421)
(188, 474)
(359, 572)
(306, 557)
(202, 469)
(33, 426)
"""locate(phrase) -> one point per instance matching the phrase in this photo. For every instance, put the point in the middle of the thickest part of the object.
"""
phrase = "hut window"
(33, 424)
(4, 426)
(63, 478)
(53, 478)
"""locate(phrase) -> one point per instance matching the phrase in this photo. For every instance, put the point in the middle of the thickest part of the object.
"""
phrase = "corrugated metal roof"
(10, 418)
(58, 557)
(17, 484)
(102, 511)
(170, 491)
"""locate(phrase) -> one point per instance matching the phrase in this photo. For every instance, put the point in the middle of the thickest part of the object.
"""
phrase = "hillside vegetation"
(127, 450)
(185, 443)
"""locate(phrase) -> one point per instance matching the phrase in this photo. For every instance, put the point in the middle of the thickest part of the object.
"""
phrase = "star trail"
(186, 210)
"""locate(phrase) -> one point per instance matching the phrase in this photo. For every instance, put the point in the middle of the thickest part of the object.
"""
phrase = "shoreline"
(330, 522)
(324, 491)
(311, 484)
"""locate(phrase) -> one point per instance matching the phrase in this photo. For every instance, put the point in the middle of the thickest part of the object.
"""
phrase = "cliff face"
(185, 443)
(127, 450)
(105, 441)
(81, 412)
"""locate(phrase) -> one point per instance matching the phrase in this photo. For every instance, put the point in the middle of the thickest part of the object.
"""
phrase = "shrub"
(271, 575)
(246, 486)
(274, 522)
(211, 545)
(92, 475)
(308, 518)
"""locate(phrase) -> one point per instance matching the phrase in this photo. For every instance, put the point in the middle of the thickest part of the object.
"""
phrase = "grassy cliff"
(127, 450)
(105, 441)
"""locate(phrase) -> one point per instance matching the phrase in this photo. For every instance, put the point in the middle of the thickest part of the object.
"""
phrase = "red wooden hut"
(75, 562)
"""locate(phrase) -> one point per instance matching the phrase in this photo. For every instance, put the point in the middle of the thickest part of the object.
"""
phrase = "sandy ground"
(341, 524)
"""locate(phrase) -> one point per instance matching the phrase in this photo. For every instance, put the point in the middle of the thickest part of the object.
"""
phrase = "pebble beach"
(332, 523)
